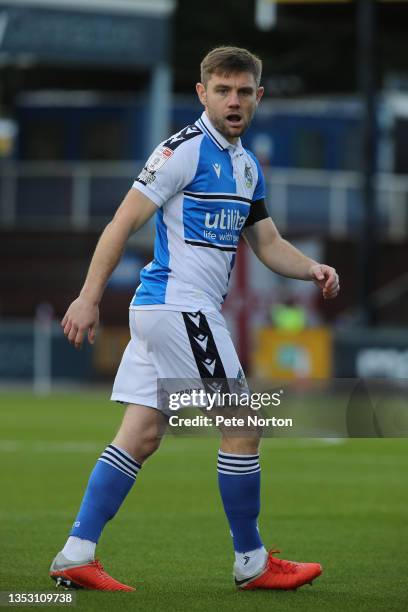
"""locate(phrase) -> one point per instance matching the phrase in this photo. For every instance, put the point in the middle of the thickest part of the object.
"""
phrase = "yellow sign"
(285, 355)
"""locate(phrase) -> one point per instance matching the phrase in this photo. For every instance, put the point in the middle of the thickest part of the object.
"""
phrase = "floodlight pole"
(159, 106)
(366, 78)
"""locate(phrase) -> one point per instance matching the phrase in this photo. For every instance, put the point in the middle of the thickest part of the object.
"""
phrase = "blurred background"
(89, 87)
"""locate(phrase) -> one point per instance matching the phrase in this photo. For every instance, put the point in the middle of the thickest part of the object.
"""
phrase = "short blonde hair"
(227, 60)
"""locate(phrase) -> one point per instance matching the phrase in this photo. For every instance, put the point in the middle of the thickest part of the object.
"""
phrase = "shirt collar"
(218, 139)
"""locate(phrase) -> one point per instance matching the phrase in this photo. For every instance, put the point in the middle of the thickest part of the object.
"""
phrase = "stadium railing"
(80, 196)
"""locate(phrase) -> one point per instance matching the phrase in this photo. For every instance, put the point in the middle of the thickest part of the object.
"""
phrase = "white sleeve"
(170, 168)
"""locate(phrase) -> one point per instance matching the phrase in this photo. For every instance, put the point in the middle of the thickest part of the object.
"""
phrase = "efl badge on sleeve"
(158, 159)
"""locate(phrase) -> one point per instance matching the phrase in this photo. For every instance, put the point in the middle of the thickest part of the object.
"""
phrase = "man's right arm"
(83, 314)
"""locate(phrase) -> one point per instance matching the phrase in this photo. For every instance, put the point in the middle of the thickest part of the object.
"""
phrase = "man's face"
(230, 102)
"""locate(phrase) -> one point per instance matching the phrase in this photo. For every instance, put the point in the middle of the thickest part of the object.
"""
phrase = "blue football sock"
(239, 479)
(109, 483)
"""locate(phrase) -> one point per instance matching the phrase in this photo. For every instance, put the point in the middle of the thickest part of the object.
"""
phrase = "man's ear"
(259, 94)
(201, 93)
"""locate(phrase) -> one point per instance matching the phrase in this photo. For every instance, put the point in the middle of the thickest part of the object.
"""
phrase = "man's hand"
(326, 278)
(81, 317)
(83, 314)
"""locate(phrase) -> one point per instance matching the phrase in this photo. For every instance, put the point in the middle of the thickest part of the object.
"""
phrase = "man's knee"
(141, 432)
(145, 447)
(246, 445)
(140, 447)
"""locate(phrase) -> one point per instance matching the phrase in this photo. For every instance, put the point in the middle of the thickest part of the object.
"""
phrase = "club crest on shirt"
(249, 180)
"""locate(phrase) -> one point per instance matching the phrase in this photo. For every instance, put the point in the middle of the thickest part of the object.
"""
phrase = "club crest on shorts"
(240, 379)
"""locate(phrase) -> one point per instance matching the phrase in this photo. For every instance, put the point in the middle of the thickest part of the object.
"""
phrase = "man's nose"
(233, 99)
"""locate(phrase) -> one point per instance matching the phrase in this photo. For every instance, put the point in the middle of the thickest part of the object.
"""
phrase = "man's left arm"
(281, 257)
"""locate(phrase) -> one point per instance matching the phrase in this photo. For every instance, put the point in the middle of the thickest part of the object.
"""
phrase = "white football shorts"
(181, 348)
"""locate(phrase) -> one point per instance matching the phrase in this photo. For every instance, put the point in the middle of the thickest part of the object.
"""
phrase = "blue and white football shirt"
(204, 188)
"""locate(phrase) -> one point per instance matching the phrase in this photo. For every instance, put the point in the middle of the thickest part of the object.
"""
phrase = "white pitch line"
(45, 446)
(70, 446)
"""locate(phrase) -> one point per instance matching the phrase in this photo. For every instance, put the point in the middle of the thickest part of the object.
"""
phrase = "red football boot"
(85, 576)
(281, 574)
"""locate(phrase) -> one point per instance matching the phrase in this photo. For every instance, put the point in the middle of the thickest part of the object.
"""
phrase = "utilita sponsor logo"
(230, 220)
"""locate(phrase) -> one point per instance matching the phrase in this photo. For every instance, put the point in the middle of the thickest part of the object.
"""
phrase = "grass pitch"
(344, 505)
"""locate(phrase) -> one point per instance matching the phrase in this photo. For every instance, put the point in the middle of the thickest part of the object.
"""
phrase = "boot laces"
(99, 566)
(106, 580)
(287, 567)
